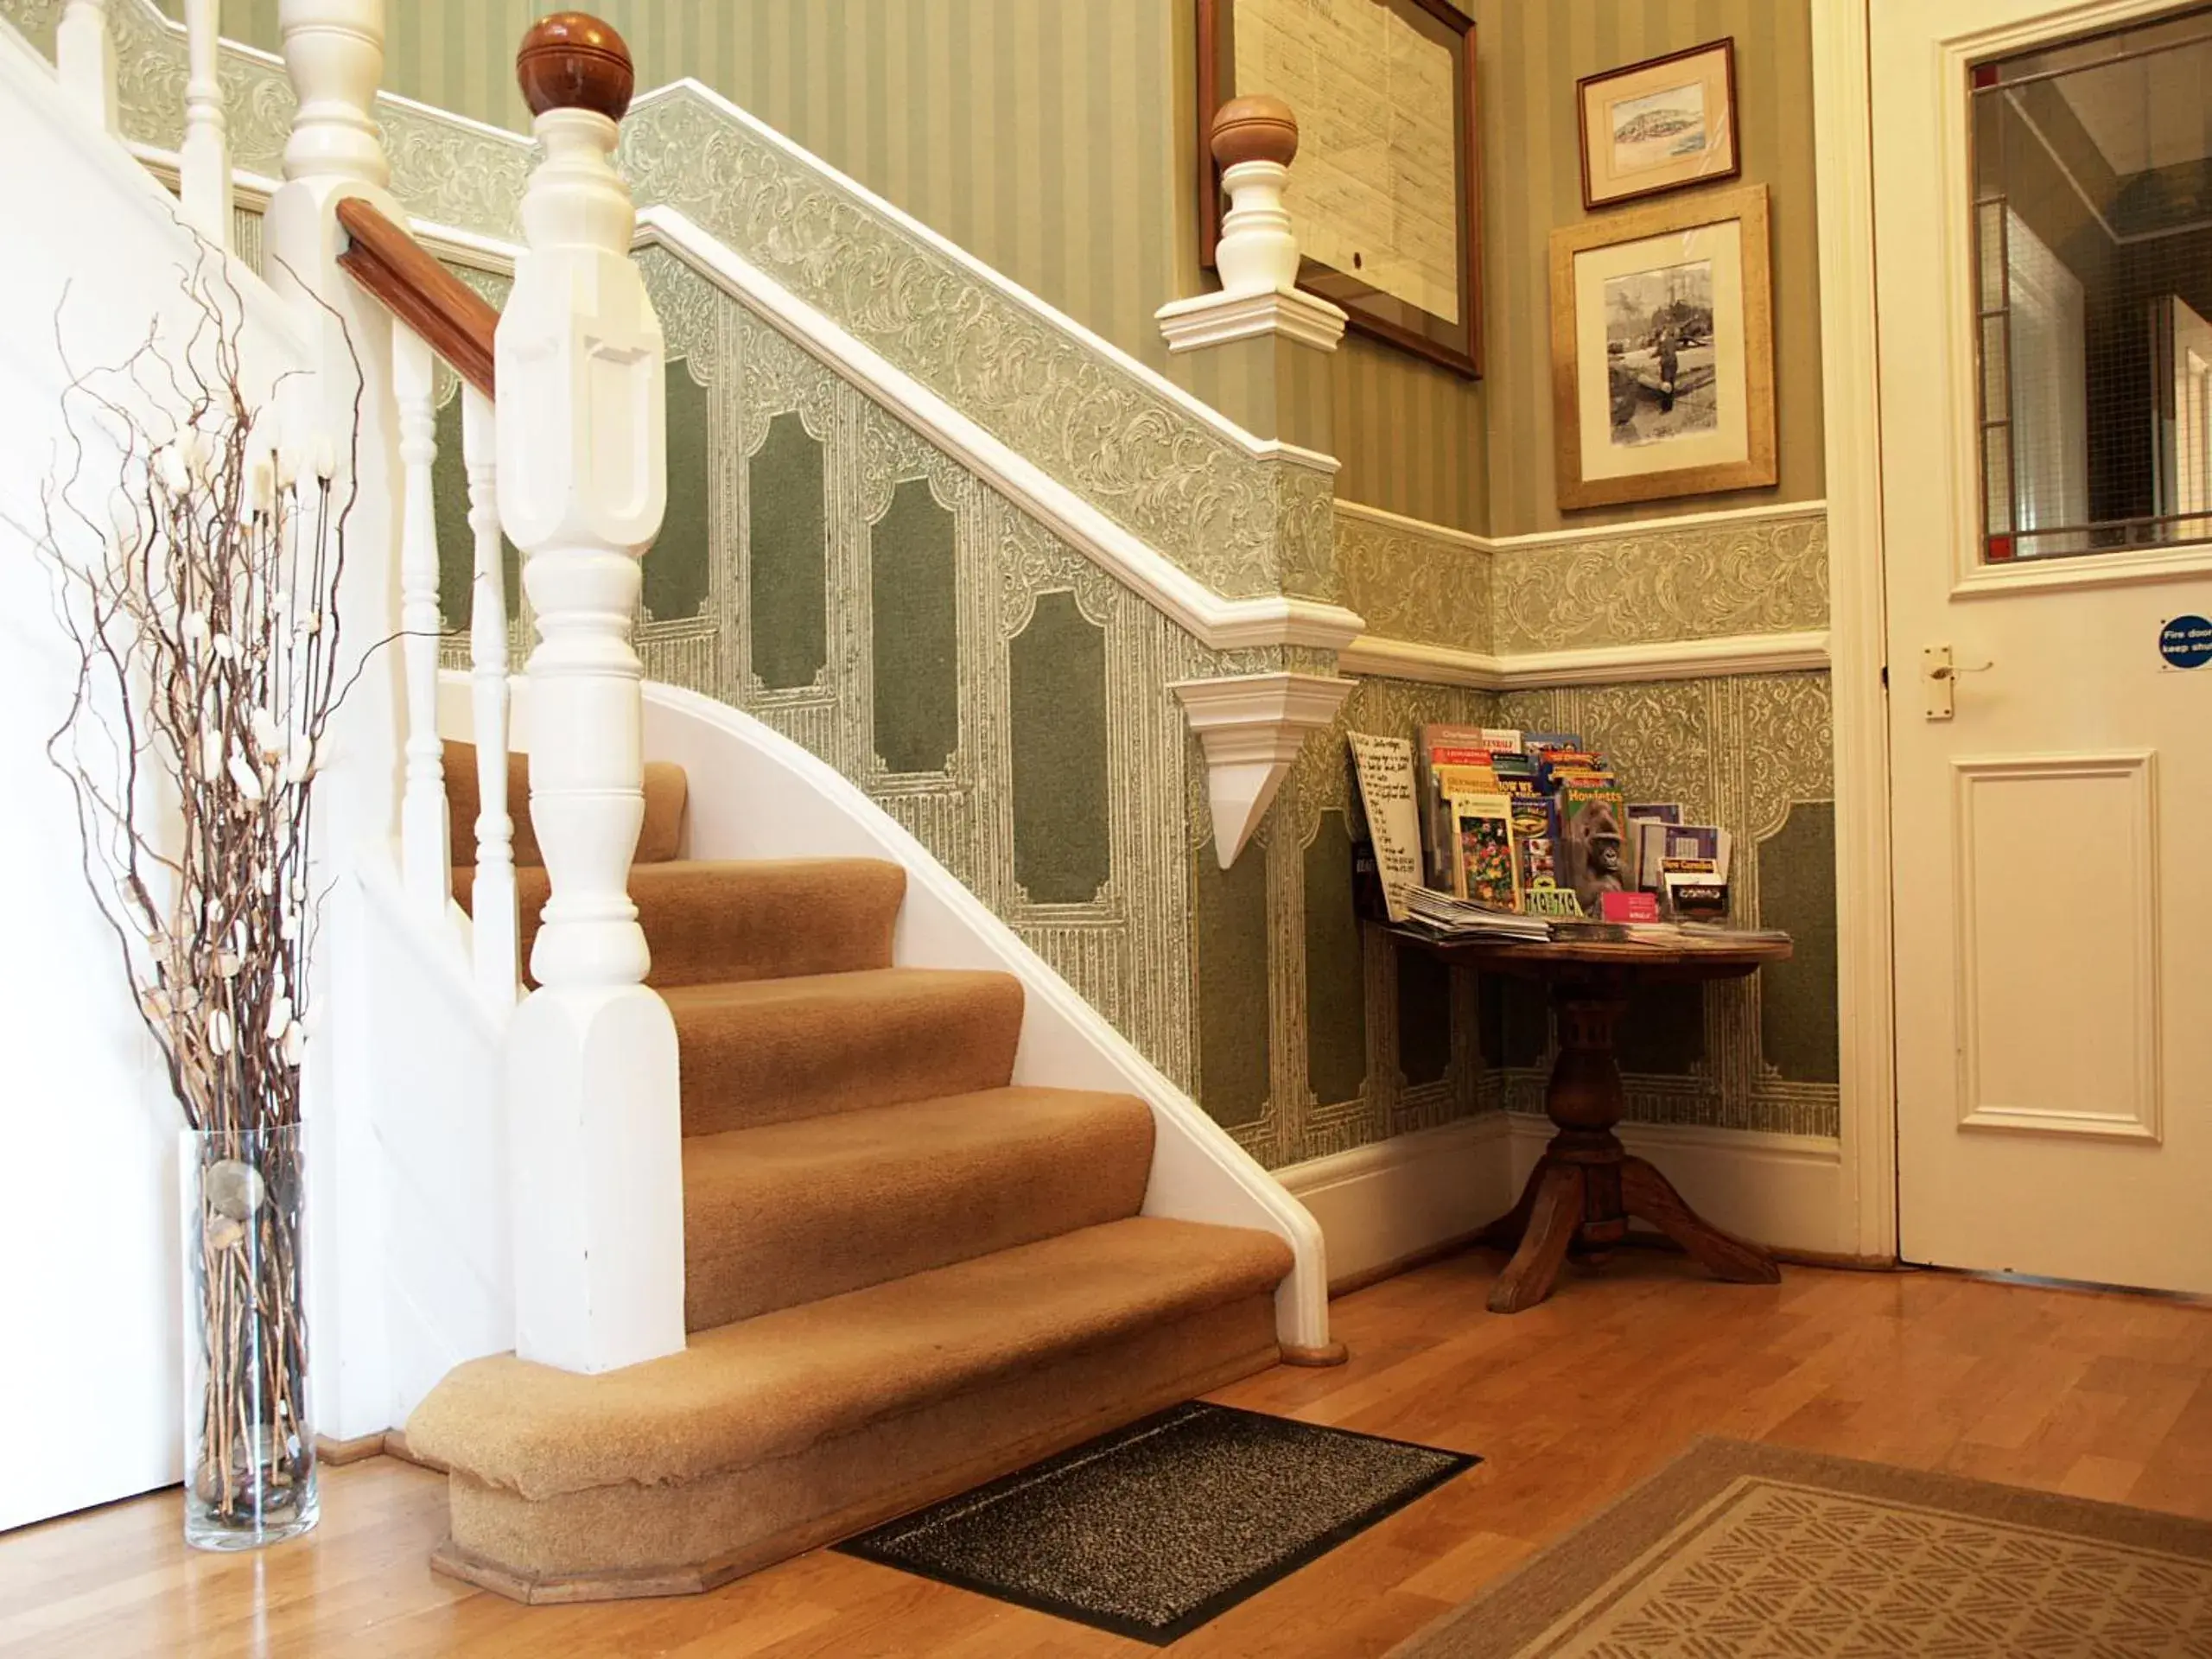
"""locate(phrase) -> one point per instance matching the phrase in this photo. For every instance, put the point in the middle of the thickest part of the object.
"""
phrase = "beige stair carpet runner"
(904, 1273)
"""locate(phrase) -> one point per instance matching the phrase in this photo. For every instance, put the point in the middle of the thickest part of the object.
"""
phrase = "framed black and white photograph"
(1659, 124)
(1663, 352)
(1384, 195)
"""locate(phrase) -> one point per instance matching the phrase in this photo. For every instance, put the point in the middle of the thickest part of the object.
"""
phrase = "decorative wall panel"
(1056, 718)
(1336, 968)
(787, 577)
(914, 596)
(992, 689)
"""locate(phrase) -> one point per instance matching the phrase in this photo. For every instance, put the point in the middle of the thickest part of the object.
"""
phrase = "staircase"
(904, 1275)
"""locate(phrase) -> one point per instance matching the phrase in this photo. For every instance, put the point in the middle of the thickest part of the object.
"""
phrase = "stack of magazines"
(1443, 916)
(1683, 935)
(1440, 916)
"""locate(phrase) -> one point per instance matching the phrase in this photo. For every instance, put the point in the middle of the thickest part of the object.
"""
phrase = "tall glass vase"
(249, 1447)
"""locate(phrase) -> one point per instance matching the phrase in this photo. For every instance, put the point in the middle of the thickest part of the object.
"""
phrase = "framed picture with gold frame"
(1384, 195)
(1659, 124)
(1663, 352)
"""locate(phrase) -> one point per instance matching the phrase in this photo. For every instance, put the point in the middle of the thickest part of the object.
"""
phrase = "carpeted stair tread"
(767, 1051)
(773, 1387)
(709, 921)
(793, 1212)
(659, 839)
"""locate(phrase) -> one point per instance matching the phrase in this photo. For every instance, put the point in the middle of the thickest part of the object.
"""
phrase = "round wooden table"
(1584, 1190)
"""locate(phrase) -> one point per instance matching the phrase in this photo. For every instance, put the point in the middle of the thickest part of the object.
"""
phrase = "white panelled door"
(2051, 769)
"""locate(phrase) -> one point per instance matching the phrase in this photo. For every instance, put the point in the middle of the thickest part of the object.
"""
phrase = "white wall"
(89, 1281)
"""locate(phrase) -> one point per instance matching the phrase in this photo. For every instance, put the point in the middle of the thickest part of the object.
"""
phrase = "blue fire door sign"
(2186, 642)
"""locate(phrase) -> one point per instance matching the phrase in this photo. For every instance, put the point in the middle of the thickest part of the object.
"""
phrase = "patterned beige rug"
(1736, 1550)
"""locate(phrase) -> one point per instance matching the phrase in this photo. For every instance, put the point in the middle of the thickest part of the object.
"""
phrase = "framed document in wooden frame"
(1659, 124)
(1663, 352)
(1384, 195)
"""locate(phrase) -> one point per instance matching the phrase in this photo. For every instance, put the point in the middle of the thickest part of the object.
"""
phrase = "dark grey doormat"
(1153, 1530)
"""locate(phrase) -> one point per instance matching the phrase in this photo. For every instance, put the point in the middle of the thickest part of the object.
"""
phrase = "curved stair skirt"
(756, 794)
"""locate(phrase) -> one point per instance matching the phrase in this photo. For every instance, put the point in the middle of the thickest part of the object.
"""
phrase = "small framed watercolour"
(1384, 193)
(1663, 352)
(1659, 124)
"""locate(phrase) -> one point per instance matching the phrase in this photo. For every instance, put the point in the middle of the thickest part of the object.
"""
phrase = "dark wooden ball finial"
(1257, 128)
(572, 60)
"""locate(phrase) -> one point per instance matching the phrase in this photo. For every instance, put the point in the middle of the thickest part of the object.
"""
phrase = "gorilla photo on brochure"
(1592, 844)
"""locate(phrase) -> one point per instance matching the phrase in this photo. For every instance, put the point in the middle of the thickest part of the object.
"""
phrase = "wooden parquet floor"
(2104, 1396)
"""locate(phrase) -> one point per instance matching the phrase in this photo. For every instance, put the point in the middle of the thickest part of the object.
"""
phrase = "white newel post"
(492, 899)
(333, 55)
(598, 1193)
(204, 158)
(83, 53)
(426, 849)
(1254, 139)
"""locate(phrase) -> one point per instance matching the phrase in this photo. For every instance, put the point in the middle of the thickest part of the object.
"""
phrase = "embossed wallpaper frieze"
(1409, 584)
(1640, 585)
(1662, 582)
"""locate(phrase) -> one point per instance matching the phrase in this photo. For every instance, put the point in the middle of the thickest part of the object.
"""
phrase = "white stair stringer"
(756, 794)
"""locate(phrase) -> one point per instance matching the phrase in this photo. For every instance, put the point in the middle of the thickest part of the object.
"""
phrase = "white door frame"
(1850, 382)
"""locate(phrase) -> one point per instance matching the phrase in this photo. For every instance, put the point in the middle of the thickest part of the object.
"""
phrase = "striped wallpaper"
(1042, 135)
(1055, 139)
(1532, 53)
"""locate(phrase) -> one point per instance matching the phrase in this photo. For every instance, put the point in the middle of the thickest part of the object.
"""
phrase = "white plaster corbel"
(1251, 726)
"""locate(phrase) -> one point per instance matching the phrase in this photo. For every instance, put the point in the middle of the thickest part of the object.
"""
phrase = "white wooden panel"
(2057, 938)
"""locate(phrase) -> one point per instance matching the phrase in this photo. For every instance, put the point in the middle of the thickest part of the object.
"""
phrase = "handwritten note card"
(1386, 788)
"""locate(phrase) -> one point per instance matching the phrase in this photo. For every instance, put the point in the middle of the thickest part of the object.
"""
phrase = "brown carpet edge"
(1500, 1619)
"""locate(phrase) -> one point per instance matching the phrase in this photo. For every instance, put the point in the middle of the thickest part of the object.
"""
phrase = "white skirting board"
(1384, 1204)
(1380, 1203)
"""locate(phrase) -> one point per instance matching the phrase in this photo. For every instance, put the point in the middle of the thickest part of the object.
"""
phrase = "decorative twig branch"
(198, 551)
(198, 579)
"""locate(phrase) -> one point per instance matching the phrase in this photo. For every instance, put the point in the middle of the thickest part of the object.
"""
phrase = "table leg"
(1648, 1193)
(1586, 1188)
(1510, 1229)
(1555, 1215)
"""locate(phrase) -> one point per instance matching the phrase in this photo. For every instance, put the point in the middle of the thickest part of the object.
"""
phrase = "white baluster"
(84, 51)
(204, 158)
(493, 901)
(426, 852)
(333, 53)
(596, 1135)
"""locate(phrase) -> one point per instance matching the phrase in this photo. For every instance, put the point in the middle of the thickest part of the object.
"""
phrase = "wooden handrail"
(453, 320)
